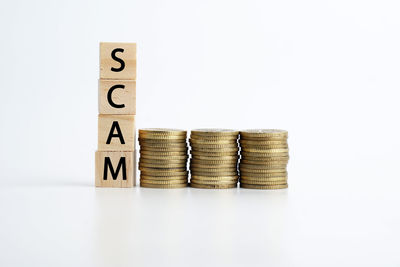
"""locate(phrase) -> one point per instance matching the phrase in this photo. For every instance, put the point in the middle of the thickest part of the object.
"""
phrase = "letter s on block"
(121, 68)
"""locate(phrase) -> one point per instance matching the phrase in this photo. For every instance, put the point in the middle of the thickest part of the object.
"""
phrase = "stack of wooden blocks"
(115, 157)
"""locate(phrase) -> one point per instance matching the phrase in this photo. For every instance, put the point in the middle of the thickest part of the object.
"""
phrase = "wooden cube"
(118, 61)
(115, 169)
(116, 132)
(117, 97)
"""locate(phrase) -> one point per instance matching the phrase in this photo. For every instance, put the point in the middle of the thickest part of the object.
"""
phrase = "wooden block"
(115, 169)
(118, 61)
(117, 96)
(116, 132)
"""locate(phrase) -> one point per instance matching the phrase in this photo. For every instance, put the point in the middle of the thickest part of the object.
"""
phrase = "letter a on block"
(115, 169)
(118, 61)
(116, 132)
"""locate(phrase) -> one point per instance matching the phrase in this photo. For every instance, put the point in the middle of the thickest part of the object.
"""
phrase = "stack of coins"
(214, 158)
(163, 158)
(264, 157)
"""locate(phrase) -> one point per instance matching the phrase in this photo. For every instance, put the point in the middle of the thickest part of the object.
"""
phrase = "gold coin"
(213, 186)
(195, 150)
(214, 162)
(264, 165)
(262, 142)
(214, 154)
(163, 137)
(269, 170)
(265, 139)
(214, 167)
(262, 157)
(220, 182)
(257, 171)
(233, 138)
(264, 181)
(263, 175)
(163, 169)
(278, 177)
(263, 147)
(231, 166)
(264, 133)
(215, 178)
(215, 146)
(197, 172)
(163, 149)
(270, 160)
(163, 154)
(162, 141)
(158, 141)
(162, 165)
(252, 186)
(152, 181)
(261, 168)
(269, 157)
(200, 157)
(162, 131)
(212, 142)
(164, 186)
(262, 150)
(157, 157)
(214, 132)
(163, 178)
(257, 175)
(163, 161)
(163, 173)
(265, 162)
(164, 145)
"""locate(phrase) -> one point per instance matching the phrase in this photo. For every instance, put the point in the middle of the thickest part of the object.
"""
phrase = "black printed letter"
(118, 60)
(114, 174)
(115, 125)
(109, 94)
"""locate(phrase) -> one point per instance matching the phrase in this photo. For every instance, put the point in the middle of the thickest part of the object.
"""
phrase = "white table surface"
(329, 216)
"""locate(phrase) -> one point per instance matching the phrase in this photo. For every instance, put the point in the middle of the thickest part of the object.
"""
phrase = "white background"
(326, 71)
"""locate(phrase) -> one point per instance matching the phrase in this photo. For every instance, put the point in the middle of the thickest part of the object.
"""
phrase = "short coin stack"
(214, 158)
(264, 157)
(163, 158)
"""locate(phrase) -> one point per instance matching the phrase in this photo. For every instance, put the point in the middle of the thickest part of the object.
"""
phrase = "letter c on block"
(109, 96)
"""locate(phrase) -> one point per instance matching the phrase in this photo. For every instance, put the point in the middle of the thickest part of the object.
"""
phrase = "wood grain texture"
(107, 162)
(115, 125)
(121, 92)
(108, 63)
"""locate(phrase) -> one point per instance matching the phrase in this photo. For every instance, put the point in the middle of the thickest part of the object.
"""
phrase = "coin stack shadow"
(214, 158)
(264, 158)
(163, 158)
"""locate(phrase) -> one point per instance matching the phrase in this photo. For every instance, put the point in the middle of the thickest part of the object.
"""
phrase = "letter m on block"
(114, 173)
(115, 169)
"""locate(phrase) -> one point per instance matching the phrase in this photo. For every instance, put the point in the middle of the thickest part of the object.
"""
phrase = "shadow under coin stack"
(214, 158)
(163, 158)
(264, 158)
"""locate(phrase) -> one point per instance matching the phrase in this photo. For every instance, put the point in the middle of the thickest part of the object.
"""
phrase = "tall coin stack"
(264, 157)
(163, 158)
(214, 158)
